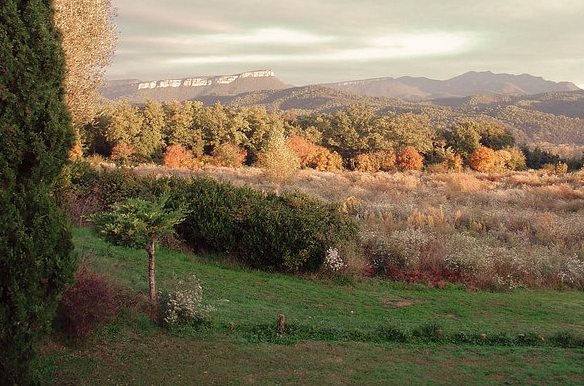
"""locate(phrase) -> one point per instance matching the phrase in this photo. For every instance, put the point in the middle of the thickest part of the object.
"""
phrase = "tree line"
(190, 134)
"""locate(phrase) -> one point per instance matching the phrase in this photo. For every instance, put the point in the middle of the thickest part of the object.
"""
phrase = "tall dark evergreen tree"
(35, 136)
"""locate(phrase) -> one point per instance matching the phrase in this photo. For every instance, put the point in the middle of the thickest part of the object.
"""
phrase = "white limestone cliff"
(204, 81)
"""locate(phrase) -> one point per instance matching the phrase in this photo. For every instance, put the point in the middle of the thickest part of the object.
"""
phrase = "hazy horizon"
(307, 42)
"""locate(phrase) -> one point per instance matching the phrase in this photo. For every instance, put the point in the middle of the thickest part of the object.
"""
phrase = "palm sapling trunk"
(152, 275)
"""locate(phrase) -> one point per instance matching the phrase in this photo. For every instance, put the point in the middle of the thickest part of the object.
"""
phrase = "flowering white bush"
(572, 270)
(332, 260)
(185, 305)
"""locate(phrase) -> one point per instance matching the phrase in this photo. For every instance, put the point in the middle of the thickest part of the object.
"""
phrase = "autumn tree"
(229, 154)
(35, 243)
(314, 156)
(368, 162)
(89, 39)
(517, 160)
(326, 160)
(509, 159)
(410, 159)
(277, 158)
(483, 159)
(123, 153)
(177, 156)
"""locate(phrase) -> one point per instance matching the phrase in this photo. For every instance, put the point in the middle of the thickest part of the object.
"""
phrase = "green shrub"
(290, 232)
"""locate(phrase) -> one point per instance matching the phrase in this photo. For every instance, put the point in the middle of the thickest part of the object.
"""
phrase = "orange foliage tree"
(367, 162)
(410, 159)
(314, 156)
(177, 156)
(483, 159)
(373, 162)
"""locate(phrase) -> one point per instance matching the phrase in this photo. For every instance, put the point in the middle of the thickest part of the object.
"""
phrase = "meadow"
(458, 277)
(365, 331)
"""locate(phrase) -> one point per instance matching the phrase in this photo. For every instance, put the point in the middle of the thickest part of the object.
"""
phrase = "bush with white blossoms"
(572, 271)
(184, 305)
(333, 261)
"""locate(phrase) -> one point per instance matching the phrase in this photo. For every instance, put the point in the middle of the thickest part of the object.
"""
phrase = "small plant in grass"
(140, 224)
(333, 261)
(184, 305)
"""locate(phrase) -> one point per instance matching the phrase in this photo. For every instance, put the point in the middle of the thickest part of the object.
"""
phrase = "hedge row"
(289, 232)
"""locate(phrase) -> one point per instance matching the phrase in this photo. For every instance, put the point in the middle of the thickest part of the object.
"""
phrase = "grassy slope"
(133, 351)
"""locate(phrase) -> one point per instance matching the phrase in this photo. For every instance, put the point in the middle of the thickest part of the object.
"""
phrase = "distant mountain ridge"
(465, 85)
(138, 91)
(406, 88)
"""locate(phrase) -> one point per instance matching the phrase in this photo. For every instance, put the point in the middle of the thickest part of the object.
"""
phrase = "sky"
(319, 41)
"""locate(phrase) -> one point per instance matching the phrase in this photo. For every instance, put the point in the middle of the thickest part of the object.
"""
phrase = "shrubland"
(485, 230)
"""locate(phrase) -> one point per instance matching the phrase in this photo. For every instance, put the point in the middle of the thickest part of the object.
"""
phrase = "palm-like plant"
(140, 224)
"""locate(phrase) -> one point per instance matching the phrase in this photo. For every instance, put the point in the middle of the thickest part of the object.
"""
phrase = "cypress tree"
(35, 136)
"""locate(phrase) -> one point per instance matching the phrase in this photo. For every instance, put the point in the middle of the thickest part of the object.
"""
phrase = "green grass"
(334, 331)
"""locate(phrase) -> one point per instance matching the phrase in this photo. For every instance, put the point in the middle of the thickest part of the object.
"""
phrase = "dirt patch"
(399, 302)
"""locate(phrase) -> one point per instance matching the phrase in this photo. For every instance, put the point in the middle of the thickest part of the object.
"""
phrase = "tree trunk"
(152, 279)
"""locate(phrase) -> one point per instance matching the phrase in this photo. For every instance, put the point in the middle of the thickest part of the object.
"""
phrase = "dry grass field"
(488, 231)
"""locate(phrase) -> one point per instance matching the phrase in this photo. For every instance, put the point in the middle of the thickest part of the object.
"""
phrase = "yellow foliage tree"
(277, 159)
(88, 38)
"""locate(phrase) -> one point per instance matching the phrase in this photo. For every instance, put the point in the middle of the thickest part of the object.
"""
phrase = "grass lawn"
(337, 331)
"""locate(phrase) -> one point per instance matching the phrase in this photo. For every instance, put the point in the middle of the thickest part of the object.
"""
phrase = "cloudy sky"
(316, 41)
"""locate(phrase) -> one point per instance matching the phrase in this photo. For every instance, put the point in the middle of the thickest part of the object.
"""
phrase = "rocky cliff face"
(189, 88)
(204, 81)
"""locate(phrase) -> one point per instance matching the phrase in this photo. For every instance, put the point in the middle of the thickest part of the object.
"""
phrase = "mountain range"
(405, 88)
(468, 84)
